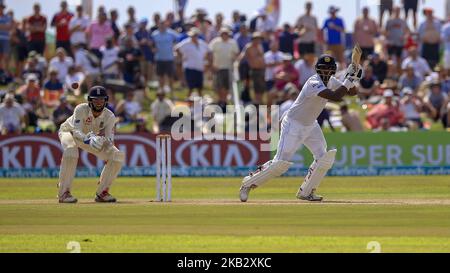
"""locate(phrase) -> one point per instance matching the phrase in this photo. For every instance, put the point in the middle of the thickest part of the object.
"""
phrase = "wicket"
(163, 168)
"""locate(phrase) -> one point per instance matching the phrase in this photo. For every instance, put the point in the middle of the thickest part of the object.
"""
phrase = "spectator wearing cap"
(436, 99)
(379, 67)
(6, 26)
(36, 25)
(286, 40)
(284, 74)
(335, 29)
(253, 53)
(420, 65)
(445, 37)
(396, 31)
(264, 23)
(145, 41)
(350, 119)
(98, 32)
(73, 75)
(365, 32)
(30, 91)
(110, 60)
(12, 116)
(62, 112)
(77, 28)
(53, 89)
(164, 40)
(385, 114)
(291, 93)
(272, 58)
(32, 67)
(224, 51)
(113, 17)
(61, 63)
(430, 38)
(61, 22)
(194, 53)
(130, 58)
(307, 28)
(411, 106)
(409, 79)
(385, 5)
(202, 23)
(306, 68)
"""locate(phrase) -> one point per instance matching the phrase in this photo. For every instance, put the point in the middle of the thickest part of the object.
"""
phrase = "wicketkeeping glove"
(96, 142)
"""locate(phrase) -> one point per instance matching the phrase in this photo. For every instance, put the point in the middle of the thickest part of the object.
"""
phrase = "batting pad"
(317, 172)
(111, 171)
(67, 169)
(268, 171)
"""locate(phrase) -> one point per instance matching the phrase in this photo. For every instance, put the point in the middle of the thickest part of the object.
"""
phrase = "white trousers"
(113, 157)
(294, 135)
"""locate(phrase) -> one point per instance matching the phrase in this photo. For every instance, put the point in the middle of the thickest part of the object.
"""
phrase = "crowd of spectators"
(147, 65)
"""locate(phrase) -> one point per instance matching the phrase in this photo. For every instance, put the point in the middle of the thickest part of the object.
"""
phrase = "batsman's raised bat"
(356, 55)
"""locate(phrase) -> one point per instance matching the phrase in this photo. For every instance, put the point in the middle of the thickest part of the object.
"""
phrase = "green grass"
(403, 214)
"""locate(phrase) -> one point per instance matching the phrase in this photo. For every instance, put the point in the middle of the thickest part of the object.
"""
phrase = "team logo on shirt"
(88, 121)
(77, 121)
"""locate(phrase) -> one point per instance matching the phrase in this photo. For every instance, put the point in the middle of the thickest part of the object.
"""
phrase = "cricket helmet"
(326, 67)
(97, 92)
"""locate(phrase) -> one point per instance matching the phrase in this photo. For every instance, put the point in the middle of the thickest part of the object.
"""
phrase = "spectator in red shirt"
(385, 114)
(284, 74)
(61, 22)
(36, 26)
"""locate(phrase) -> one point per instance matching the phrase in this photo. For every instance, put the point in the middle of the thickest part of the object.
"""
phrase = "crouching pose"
(90, 128)
(299, 126)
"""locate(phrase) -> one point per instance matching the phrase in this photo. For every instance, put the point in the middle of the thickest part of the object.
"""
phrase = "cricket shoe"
(311, 197)
(104, 197)
(67, 198)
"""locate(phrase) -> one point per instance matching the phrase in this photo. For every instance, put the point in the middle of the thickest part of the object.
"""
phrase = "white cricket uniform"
(299, 124)
(72, 133)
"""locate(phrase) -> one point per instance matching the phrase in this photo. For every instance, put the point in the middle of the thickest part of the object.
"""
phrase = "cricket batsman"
(299, 126)
(91, 128)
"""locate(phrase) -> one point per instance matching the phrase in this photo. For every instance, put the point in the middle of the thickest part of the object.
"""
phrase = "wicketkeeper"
(90, 128)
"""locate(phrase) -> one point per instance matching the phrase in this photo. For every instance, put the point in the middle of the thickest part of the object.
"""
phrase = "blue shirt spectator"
(5, 20)
(242, 37)
(286, 40)
(334, 27)
(145, 41)
(164, 40)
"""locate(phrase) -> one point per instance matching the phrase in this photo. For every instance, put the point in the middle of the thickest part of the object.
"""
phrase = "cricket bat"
(356, 55)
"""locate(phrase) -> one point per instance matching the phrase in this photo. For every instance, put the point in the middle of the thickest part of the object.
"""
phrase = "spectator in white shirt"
(420, 65)
(12, 115)
(109, 62)
(129, 110)
(194, 53)
(161, 113)
(77, 28)
(306, 68)
(224, 52)
(73, 76)
(87, 63)
(61, 62)
(272, 59)
(264, 23)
